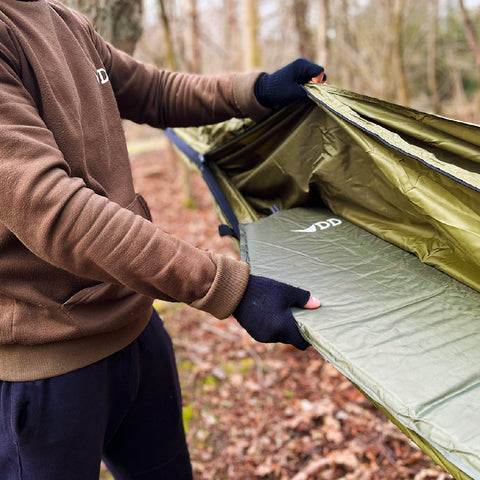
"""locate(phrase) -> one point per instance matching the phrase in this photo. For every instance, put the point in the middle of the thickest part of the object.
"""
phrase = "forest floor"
(262, 411)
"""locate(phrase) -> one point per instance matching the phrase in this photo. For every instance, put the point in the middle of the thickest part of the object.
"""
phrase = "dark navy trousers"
(125, 409)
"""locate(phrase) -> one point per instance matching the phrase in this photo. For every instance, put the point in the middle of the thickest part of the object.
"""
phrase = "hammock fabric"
(377, 212)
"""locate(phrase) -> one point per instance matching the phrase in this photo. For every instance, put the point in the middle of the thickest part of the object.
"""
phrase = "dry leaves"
(264, 411)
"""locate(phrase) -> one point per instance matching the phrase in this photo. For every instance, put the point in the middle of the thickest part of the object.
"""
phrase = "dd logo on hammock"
(322, 225)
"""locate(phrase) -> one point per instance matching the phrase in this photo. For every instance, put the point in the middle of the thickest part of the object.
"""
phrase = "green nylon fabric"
(411, 179)
(405, 333)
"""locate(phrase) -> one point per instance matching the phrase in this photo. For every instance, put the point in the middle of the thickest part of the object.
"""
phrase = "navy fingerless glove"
(264, 311)
(284, 86)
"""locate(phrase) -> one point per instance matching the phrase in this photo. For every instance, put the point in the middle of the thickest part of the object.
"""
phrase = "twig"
(311, 469)
(258, 365)
(219, 332)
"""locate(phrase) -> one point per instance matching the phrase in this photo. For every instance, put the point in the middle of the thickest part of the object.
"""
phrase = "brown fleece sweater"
(80, 262)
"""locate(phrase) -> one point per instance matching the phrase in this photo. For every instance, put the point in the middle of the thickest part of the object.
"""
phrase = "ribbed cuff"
(227, 288)
(245, 100)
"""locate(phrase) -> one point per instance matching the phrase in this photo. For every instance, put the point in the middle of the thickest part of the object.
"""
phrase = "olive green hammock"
(374, 208)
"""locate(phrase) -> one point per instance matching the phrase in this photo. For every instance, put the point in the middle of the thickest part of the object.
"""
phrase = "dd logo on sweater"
(102, 76)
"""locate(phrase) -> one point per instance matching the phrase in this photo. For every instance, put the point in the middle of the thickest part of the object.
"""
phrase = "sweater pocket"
(102, 308)
(25, 323)
(105, 307)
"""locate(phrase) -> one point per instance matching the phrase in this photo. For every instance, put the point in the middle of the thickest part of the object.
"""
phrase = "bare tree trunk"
(349, 73)
(456, 77)
(232, 35)
(305, 47)
(118, 21)
(170, 58)
(323, 42)
(471, 35)
(195, 51)
(432, 55)
(397, 52)
(252, 52)
(171, 64)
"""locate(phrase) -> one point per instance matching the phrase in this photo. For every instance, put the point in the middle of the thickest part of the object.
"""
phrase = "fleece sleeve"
(68, 225)
(163, 99)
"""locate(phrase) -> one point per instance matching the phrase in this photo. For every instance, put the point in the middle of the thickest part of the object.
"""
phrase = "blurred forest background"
(422, 53)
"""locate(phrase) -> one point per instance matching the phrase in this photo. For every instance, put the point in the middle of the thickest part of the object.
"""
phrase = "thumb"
(322, 78)
(312, 303)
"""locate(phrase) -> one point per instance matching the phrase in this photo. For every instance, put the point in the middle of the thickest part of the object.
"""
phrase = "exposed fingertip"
(312, 303)
(319, 78)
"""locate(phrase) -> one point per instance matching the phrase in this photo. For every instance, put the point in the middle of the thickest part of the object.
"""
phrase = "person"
(87, 370)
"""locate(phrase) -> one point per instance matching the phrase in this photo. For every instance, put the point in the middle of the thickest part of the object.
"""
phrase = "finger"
(312, 303)
(319, 78)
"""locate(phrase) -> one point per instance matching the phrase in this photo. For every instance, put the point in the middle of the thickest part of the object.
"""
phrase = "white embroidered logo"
(323, 225)
(102, 76)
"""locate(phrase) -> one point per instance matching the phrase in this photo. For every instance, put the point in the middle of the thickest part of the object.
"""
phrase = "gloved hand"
(283, 87)
(264, 311)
